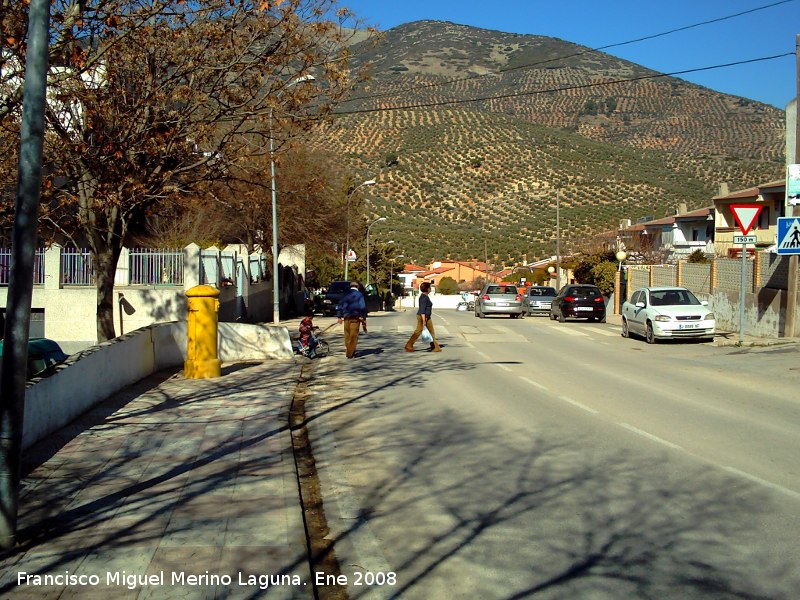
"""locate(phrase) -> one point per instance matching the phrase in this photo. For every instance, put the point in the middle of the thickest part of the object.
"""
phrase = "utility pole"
(558, 240)
(20, 289)
(791, 303)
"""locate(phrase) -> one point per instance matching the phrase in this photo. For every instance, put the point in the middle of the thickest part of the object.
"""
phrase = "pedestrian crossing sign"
(788, 235)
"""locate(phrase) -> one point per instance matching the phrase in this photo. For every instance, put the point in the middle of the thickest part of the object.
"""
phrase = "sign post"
(745, 215)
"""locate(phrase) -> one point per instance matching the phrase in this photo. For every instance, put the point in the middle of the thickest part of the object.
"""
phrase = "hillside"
(480, 176)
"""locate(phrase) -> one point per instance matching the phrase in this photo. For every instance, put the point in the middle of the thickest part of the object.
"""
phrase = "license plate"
(501, 303)
(688, 325)
(586, 308)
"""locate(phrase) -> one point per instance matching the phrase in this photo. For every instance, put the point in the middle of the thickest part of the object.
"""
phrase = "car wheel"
(561, 318)
(708, 340)
(650, 335)
(625, 332)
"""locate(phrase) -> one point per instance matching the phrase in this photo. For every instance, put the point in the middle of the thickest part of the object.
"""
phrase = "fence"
(720, 281)
(5, 267)
(150, 286)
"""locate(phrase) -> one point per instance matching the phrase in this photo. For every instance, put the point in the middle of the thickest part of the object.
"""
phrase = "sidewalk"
(173, 488)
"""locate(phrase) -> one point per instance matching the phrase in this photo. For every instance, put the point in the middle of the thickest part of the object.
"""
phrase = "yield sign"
(746, 215)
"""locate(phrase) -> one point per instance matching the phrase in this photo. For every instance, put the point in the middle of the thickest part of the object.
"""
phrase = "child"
(307, 341)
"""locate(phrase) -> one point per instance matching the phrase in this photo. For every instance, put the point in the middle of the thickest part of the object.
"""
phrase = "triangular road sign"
(746, 215)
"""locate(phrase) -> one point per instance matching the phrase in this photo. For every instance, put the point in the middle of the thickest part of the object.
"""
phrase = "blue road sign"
(789, 235)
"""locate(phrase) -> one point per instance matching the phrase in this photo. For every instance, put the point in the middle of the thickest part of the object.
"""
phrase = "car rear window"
(587, 291)
(542, 292)
(502, 289)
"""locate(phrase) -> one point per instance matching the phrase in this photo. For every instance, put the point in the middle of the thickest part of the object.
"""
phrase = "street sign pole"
(746, 216)
(741, 294)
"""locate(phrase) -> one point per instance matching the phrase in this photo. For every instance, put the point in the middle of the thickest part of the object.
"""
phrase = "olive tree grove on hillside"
(154, 100)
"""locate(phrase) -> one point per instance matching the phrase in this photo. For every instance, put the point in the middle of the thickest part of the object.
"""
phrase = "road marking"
(568, 331)
(603, 331)
(505, 368)
(578, 404)
(650, 436)
(483, 354)
(535, 384)
(764, 482)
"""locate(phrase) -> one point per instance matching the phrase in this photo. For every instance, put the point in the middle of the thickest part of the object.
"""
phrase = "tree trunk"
(105, 272)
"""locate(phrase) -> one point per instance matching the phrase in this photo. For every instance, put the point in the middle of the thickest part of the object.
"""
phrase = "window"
(763, 218)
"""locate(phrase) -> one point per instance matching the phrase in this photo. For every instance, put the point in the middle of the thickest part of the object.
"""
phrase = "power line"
(568, 56)
(560, 89)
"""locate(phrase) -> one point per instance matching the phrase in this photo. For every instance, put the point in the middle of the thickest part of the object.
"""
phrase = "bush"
(447, 286)
(698, 256)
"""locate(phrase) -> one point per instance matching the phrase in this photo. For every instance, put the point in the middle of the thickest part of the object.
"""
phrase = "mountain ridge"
(638, 148)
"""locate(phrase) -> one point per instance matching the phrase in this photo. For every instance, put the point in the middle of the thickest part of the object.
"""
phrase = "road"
(538, 459)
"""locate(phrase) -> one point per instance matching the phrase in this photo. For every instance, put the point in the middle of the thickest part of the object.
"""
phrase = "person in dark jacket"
(424, 319)
(352, 310)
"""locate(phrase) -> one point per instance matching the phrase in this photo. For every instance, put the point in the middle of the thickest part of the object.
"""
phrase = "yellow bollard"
(202, 360)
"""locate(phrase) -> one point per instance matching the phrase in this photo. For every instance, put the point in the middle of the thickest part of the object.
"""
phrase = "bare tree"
(152, 100)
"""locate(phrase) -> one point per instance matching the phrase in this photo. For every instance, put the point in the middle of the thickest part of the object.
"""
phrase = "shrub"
(447, 285)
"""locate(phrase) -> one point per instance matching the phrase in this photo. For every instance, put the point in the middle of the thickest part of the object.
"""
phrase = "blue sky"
(763, 33)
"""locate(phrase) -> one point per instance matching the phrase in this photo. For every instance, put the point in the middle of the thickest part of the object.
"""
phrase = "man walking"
(424, 319)
(352, 310)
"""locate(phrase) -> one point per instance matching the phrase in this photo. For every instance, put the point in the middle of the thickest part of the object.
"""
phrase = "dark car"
(337, 290)
(537, 299)
(579, 301)
(330, 299)
(43, 356)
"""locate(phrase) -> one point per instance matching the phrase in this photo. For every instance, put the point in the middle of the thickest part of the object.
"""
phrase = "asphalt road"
(538, 459)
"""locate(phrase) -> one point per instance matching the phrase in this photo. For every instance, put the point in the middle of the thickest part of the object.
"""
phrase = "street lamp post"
(347, 243)
(378, 220)
(276, 297)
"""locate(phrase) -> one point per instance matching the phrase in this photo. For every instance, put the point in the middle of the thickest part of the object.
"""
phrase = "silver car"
(499, 299)
(537, 299)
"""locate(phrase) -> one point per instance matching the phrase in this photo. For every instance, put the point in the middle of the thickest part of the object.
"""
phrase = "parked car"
(667, 313)
(336, 291)
(43, 355)
(537, 299)
(579, 301)
(499, 299)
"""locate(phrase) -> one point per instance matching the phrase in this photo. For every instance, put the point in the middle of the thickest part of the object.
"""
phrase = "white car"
(667, 313)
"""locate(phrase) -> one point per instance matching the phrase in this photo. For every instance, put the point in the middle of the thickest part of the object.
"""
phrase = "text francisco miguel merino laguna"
(133, 581)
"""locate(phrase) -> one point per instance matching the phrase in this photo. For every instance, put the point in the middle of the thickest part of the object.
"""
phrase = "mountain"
(471, 133)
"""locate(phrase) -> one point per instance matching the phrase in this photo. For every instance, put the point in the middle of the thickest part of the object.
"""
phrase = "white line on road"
(578, 404)
(505, 368)
(534, 383)
(603, 331)
(568, 331)
(650, 436)
(764, 482)
(483, 354)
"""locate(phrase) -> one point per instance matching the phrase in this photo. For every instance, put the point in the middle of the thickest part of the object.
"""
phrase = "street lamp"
(551, 269)
(378, 220)
(621, 255)
(276, 298)
(347, 244)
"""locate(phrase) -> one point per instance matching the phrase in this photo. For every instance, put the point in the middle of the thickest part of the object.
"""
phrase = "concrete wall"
(91, 376)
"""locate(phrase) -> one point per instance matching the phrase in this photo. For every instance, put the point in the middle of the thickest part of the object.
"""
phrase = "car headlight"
(663, 318)
(326, 301)
(710, 317)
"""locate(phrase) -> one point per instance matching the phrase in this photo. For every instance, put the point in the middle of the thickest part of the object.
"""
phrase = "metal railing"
(156, 267)
(76, 267)
(5, 267)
